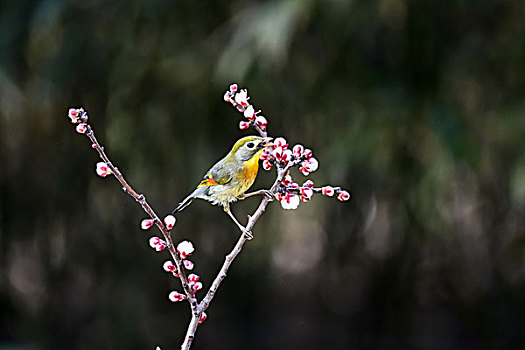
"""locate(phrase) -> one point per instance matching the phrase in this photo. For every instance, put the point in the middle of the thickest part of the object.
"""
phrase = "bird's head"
(245, 148)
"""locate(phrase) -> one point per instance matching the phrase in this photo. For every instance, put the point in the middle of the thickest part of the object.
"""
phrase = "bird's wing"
(215, 176)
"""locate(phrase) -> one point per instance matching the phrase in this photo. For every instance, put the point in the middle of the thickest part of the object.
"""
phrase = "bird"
(229, 179)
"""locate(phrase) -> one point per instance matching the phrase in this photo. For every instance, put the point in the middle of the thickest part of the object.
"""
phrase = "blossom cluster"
(239, 99)
(290, 194)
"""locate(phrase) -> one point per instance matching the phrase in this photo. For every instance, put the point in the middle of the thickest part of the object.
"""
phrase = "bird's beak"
(266, 142)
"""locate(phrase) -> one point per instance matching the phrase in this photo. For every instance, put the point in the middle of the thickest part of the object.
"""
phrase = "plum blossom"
(203, 317)
(185, 248)
(343, 196)
(157, 244)
(170, 221)
(103, 169)
(176, 296)
(146, 224)
(290, 201)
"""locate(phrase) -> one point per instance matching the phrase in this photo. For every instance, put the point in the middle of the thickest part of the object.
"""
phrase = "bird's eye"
(250, 145)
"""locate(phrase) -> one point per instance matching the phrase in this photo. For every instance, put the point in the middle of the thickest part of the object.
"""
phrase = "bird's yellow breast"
(248, 173)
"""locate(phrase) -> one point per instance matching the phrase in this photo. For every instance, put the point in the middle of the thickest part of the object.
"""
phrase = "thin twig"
(147, 208)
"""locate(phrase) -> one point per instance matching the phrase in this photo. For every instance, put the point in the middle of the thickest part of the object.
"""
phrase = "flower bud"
(261, 121)
(290, 201)
(343, 196)
(308, 183)
(157, 244)
(176, 296)
(197, 286)
(265, 155)
(227, 97)
(146, 224)
(170, 221)
(306, 193)
(242, 98)
(74, 115)
(193, 278)
(280, 142)
(188, 265)
(103, 169)
(81, 128)
(277, 153)
(307, 153)
(234, 87)
(298, 150)
(94, 146)
(328, 191)
(304, 171)
(266, 164)
(287, 156)
(243, 125)
(203, 317)
(169, 266)
(249, 113)
(311, 164)
(185, 248)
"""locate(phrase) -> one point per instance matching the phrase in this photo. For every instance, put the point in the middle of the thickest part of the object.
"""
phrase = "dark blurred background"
(416, 107)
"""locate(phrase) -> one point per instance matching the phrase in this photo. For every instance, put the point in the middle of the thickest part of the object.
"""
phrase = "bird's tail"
(187, 201)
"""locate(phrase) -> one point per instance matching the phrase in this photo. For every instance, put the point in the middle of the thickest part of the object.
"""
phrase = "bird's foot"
(247, 234)
(268, 194)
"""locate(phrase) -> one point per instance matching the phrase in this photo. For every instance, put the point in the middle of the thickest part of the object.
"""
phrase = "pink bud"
(266, 165)
(146, 224)
(277, 153)
(328, 191)
(307, 153)
(227, 97)
(81, 128)
(197, 286)
(203, 317)
(311, 164)
(287, 156)
(280, 142)
(298, 150)
(94, 146)
(185, 248)
(249, 113)
(306, 193)
(261, 121)
(188, 265)
(103, 169)
(308, 183)
(343, 196)
(234, 87)
(244, 125)
(242, 98)
(290, 201)
(74, 115)
(287, 180)
(169, 267)
(157, 244)
(176, 296)
(304, 171)
(193, 278)
(170, 221)
(265, 155)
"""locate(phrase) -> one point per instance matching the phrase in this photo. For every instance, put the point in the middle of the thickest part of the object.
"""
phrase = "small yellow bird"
(229, 179)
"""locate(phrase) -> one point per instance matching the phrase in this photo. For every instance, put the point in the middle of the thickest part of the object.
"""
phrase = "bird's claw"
(268, 194)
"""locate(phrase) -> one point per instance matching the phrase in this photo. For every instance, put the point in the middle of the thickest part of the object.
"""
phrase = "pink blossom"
(176, 296)
(157, 244)
(242, 98)
(280, 142)
(290, 201)
(192, 278)
(287, 180)
(94, 146)
(74, 115)
(311, 164)
(146, 224)
(265, 155)
(298, 150)
(188, 265)
(185, 248)
(328, 191)
(343, 196)
(234, 87)
(249, 113)
(203, 317)
(244, 125)
(277, 153)
(227, 97)
(306, 193)
(196, 286)
(304, 171)
(261, 121)
(170, 221)
(169, 266)
(307, 153)
(308, 183)
(81, 128)
(103, 169)
(287, 156)
(266, 164)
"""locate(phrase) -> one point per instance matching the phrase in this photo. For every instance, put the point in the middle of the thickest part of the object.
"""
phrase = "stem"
(147, 208)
